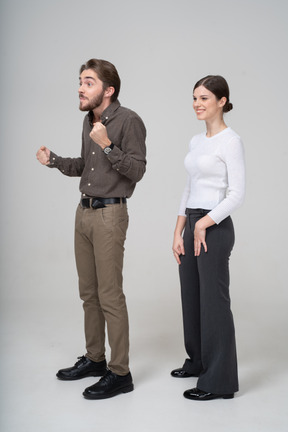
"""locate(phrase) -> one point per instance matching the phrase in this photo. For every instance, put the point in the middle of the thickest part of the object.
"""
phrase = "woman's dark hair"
(218, 86)
(106, 72)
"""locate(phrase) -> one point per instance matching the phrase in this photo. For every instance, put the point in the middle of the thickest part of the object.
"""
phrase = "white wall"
(160, 49)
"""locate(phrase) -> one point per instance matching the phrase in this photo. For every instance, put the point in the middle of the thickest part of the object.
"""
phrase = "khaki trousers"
(99, 250)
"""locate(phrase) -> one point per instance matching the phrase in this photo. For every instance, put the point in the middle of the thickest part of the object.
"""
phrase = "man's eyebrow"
(87, 77)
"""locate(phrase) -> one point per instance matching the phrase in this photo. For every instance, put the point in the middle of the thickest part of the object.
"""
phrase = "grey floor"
(37, 341)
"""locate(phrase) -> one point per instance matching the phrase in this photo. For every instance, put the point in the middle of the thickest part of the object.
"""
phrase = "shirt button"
(92, 169)
(89, 184)
(93, 152)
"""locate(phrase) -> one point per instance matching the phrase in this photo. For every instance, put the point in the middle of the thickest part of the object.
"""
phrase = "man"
(113, 160)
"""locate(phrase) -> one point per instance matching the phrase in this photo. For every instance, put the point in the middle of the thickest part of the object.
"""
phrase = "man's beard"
(94, 103)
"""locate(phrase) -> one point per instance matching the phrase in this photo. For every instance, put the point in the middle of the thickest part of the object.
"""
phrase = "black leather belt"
(100, 202)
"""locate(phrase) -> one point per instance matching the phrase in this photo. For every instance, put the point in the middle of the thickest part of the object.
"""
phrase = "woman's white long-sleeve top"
(216, 174)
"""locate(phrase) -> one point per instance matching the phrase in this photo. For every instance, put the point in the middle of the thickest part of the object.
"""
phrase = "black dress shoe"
(197, 394)
(181, 373)
(109, 385)
(84, 367)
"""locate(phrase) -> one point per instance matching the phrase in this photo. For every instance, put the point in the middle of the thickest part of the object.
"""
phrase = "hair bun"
(228, 107)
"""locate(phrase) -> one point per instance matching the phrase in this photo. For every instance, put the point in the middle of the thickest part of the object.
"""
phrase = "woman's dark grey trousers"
(209, 333)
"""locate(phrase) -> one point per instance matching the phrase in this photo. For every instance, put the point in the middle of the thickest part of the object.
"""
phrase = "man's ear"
(109, 91)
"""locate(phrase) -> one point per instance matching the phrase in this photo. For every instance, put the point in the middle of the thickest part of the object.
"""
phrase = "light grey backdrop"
(160, 49)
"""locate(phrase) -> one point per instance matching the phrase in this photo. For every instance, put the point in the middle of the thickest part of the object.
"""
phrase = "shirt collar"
(106, 113)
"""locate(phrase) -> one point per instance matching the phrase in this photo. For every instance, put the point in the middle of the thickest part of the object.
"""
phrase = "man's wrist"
(108, 149)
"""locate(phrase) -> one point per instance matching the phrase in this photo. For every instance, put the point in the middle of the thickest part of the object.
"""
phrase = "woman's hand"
(200, 233)
(178, 243)
(199, 238)
(178, 247)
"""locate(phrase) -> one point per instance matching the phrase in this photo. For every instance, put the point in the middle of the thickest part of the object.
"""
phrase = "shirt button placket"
(92, 169)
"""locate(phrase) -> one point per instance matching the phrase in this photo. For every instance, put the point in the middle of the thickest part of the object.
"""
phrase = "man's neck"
(97, 112)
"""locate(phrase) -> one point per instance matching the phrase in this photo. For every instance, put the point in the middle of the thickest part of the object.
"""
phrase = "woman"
(215, 187)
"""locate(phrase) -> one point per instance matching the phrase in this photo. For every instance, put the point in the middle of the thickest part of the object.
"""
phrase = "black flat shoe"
(109, 385)
(197, 394)
(181, 373)
(83, 368)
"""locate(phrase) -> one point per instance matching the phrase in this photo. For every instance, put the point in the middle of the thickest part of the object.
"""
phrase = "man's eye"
(89, 84)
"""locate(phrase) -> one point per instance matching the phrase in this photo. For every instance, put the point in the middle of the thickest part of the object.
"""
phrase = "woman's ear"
(222, 101)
